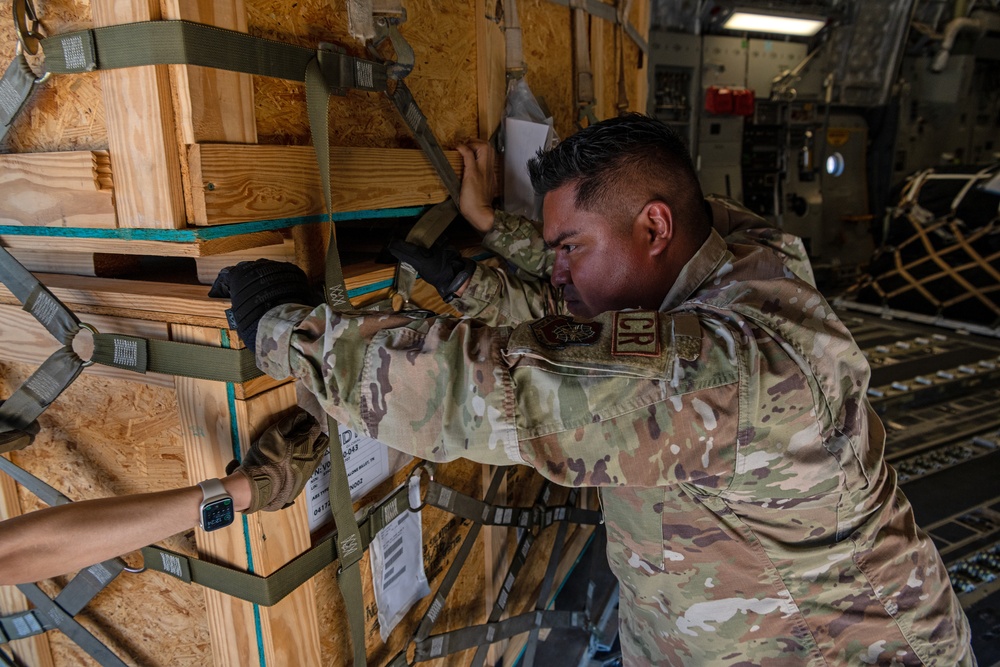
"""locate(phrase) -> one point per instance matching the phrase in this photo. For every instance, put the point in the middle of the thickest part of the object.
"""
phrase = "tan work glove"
(281, 460)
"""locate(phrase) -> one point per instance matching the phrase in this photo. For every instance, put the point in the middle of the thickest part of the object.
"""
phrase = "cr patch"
(636, 333)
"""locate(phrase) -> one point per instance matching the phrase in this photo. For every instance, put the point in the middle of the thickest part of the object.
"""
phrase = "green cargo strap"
(444, 589)
(547, 581)
(271, 589)
(524, 545)
(538, 516)
(16, 87)
(38, 392)
(149, 355)
(187, 43)
(350, 546)
(495, 631)
(54, 616)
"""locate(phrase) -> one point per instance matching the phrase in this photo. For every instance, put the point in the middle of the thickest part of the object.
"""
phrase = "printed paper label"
(367, 462)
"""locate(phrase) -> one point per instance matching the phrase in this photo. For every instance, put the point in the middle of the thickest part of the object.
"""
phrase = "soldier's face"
(599, 264)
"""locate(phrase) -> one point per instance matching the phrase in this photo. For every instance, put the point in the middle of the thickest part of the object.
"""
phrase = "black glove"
(255, 288)
(441, 265)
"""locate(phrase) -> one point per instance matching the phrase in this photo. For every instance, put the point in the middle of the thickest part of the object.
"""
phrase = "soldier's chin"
(577, 309)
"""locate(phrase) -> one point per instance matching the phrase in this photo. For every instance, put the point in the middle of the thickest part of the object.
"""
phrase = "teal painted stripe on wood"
(191, 235)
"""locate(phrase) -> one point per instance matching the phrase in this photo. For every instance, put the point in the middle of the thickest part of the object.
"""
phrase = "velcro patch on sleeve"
(636, 334)
(687, 336)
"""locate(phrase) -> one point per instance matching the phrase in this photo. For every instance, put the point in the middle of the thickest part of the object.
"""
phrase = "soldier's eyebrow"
(557, 241)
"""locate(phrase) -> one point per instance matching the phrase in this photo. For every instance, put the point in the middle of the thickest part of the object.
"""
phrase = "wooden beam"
(31, 650)
(71, 189)
(141, 133)
(209, 267)
(236, 183)
(491, 79)
(291, 627)
(212, 104)
(76, 263)
(208, 446)
(640, 19)
(132, 246)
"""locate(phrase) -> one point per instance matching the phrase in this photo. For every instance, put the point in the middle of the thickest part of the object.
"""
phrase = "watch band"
(211, 488)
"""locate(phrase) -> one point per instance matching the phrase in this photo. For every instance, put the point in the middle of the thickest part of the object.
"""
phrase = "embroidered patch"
(637, 333)
(557, 331)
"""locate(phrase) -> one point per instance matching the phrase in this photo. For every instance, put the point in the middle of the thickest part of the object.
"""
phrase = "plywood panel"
(106, 437)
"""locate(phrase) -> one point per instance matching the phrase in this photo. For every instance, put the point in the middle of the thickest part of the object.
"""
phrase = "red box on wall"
(718, 100)
(743, 102)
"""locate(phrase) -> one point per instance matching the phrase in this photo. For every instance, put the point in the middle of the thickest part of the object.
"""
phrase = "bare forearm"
(66, 538)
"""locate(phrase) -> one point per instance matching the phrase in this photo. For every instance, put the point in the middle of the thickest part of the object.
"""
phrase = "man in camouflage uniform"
(704, 386)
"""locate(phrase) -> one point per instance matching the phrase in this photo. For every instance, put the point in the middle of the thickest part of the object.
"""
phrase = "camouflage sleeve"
(499, 298)
(639, 398)
(738, 224)
(518, 240)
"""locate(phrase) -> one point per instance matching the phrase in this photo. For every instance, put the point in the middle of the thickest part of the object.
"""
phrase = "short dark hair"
(626, 154)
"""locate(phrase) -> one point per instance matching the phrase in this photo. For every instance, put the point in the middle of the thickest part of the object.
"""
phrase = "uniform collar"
(704, 264)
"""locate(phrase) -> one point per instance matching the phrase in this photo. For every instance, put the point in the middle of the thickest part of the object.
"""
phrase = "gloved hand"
(255, 288)
(280, 462)
(440, 265)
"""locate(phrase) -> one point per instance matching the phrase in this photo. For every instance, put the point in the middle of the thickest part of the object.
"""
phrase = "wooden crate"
(173, 147)
(115, 432)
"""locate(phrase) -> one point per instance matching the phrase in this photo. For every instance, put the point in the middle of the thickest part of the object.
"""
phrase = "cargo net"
(940, 255)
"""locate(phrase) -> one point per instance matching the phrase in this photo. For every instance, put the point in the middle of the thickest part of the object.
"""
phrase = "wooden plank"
(70, 189)
(491, 55)
(141, 134)
(76, 263)
(131, 246)
(212, 104)
(27, 341)
(636, 61)
(209, 267)
(208, 446)
(236, 183)
(31, 650)
(291, 627)
(166, 299)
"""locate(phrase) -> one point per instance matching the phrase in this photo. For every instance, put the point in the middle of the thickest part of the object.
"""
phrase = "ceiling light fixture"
(783, 24)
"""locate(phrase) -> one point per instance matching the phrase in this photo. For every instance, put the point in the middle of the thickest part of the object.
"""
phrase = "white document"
(397, 559)
(522, 140)
(368, 463)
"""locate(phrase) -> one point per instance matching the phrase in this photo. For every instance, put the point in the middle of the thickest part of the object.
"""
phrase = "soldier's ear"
(657, 222)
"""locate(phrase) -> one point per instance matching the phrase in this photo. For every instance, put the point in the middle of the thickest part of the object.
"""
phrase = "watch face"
(217, 514)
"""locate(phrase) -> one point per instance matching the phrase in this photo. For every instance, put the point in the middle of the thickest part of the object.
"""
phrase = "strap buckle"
(387, 27)
(28, 38)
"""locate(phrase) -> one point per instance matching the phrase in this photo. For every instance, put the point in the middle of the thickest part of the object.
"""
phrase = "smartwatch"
(216, 506)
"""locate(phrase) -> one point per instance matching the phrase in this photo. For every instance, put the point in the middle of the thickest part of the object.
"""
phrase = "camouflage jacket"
(751, 518)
